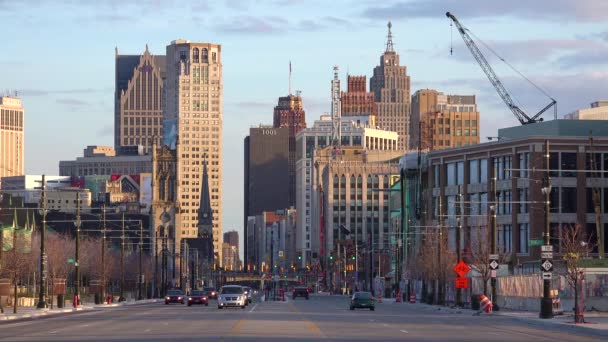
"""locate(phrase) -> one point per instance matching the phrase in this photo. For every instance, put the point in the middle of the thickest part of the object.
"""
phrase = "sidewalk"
(25, 313)
(593, 320)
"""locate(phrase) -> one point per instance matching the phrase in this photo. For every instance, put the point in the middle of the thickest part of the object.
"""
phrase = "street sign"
(546, 248)
(537, 242)
(493, 256)
(547, 265)
(71, 260)
(493, 265)
(546, 255)
(280, 254)
(462, 283)
(461, 268)
(546, 275)
(493, 273)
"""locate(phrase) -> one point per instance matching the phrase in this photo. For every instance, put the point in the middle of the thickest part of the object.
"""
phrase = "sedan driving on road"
(231, 296)
(174, 296)
(198, 297)
(362, 300)
(211, 292)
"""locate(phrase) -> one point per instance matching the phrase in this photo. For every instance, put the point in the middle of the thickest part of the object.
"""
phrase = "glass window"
(474, 132)
(473, 171)
(466, 133)
(436, 175)
(466, 123)
(460, 173)
(357, 140)
(458, 132)
(474, 123)
(589, 162)
(451, 170)
(524, 237)
(483, 206)
(523, 200)
(310, 146)
(553, 163)
(568, 162)
(569, 202)
(345, 140)
(322, 141)
(483, 170)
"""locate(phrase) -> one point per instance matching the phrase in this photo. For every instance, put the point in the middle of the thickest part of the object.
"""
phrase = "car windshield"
(174, 292)
(209, 289)
(232, 290)
(363, 295)
(197, 293)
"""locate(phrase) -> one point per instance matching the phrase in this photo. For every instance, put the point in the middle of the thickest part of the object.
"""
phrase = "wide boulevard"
(322, 318)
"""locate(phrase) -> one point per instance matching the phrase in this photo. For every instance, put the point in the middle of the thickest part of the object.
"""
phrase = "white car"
(231, 296)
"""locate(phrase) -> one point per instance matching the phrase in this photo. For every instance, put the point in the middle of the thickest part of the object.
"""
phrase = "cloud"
(72, 102)
(106, 131)
(254, 104)
(42, 92)
(564, 10)
(278, 25)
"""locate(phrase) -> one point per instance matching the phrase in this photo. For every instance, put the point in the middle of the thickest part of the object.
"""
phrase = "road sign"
(546, 275)
(546, 248)
(493, 273)
(546, 255)
(70, 260)
(462, 269)
(493, 265)
(547, 265)
(537, 242)
(280, 254)
(462, 283)
(493, 256)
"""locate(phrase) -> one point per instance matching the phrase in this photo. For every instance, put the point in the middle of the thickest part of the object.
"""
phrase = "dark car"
(211, 292)
(300, 292)
(198, 297)
(174, 296)
(362, 300)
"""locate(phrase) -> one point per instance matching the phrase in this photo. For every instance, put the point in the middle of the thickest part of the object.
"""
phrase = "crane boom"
(487, 69)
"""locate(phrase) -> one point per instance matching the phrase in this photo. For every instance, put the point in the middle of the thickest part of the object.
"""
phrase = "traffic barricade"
(413, 298)
(485, 303)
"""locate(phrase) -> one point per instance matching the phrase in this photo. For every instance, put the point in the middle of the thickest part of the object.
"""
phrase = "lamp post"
(121, 298)
(103, 254)
(546, 306)
(77, 252)
(141, 249)
(43, 272)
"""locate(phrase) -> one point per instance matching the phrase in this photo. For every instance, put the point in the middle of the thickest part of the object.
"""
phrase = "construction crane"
(504, 94)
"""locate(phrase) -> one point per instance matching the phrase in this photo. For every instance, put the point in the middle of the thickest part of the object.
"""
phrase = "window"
(524, 237)
(451, 170)
(523, 200)
(524, 164)
(568, 162)
(460, 173)
(195, 56)
(569, 202)
(214, 57)
(473, 171)
(483, 170)
(504, 238)
(473, 132)
(458, 132)
(205, 56)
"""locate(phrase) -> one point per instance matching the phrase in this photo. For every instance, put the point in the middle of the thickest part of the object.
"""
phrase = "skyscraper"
(290, 113)
(138, 99)
(357, 101)
(12, 149)
(391, 87)
(193, 117)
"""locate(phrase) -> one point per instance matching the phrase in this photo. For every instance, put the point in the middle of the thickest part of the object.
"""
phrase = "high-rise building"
(308, 142)
(103, 160)
(391, 87)
(138, 99)
(357, 101)
(12, 142)
(598, 111)
(193, 117)
(266, 171)
(444, 120)
(290, 113)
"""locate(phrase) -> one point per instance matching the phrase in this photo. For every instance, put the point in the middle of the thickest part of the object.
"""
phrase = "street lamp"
(546, 305)
(43, 258)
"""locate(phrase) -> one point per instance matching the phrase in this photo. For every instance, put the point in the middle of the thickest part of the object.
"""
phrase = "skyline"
(561, 47)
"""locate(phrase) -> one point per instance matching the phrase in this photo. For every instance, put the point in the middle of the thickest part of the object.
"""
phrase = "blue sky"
(59, 55)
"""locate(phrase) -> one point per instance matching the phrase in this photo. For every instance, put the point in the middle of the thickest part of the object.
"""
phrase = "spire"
(205, 213)
(389, 39)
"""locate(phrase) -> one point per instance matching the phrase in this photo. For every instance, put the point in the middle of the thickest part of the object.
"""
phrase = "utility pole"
(121, 298)
(459, 218)
(493, 247)
(77, 254)
(103, 254)
(597, 202)
(141, 250)
(155, 294)
(43, 259)
(546, 305)
(439, 251)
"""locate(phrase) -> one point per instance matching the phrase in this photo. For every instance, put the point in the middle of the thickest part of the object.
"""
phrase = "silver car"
(231, 296)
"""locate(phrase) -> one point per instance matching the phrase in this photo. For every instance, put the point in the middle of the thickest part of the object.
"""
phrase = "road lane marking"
(386, 325)
(404, 331)
(313, 327)
(253, 308)
(147, 330)
(237, 327)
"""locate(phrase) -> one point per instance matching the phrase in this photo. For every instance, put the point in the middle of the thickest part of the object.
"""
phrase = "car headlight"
(167, 298)
(179, 298)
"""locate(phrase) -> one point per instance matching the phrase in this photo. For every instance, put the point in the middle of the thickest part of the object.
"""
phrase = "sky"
(59, 56)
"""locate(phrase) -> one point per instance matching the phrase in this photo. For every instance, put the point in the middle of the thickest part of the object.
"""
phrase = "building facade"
(318, 137)
(12, 139)
(517, 194)
(445, 121)
(271, 242)
(391, 87)
(138, 99)
(598, 111)
(357, 101)
(103, 160)
(289, 113)
(232, 238)
(193, 117)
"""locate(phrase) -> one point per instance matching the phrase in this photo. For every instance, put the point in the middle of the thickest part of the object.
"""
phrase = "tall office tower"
(358, 102)
(266, 176)
(193, 117)
(290, 113)
(12, 142)
(391, 87)
(232, 238)
(445, 120)
(138, 99)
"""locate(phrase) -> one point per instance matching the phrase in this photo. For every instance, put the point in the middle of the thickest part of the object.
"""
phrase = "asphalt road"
(318, 319)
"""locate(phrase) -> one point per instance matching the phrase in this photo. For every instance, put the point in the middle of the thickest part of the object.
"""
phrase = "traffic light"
(299, 257)
(353, 257)
(331, 257)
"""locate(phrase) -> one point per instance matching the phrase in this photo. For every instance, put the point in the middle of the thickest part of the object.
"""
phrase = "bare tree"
(574, 248)
(480, 255)
(15, 265)
(59, 249)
